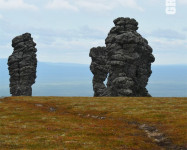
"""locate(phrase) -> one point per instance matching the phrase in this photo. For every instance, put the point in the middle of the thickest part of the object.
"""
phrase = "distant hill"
(65, 79)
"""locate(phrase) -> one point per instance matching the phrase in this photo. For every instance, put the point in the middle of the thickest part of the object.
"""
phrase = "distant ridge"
(69, 79)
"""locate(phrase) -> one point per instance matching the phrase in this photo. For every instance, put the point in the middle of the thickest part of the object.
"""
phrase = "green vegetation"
(85, 123)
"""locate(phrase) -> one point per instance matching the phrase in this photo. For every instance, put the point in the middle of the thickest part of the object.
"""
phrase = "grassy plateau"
(86, 123)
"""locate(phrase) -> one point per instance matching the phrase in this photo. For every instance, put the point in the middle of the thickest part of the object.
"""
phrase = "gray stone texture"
(22, 65)
(99, 69)
(126, 60)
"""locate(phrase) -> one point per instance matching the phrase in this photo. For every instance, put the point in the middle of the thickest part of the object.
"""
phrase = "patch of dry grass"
(85, 123)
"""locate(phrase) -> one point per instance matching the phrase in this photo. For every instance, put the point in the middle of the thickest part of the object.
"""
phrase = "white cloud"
(169, 58)
(168, 51)
(48, 35)
(162, 45)
(1, 17)
(168, 34)
(70, 51)
(130, 4)
(6, 50)
(93, 5)
(185, 29)
(61, 4)
(16, 4)
(182, 2)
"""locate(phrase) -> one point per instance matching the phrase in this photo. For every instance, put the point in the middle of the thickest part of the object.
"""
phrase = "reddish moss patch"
(89, 123)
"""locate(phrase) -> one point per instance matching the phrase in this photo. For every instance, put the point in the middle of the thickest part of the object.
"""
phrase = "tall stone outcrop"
(127, 58)
(22, 65)
(99, 69)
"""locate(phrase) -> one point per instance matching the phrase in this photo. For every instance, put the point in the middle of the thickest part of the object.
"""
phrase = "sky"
(66, 30)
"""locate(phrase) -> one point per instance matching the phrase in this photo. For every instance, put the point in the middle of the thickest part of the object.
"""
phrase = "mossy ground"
(85, 123)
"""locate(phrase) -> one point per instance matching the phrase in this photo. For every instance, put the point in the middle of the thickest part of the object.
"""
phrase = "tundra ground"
(99, 123)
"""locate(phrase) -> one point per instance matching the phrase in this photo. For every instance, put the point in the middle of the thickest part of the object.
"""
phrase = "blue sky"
(65, 30)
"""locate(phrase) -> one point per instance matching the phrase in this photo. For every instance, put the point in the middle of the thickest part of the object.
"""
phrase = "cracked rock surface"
(126, 60)
(22, 65)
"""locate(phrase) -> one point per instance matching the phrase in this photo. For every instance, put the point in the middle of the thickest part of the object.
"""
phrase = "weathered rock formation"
(22, 65)
(99, 69)
(126, 59)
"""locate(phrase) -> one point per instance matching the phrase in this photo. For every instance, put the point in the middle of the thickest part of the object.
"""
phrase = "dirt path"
(152, 132)
(159, 138)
